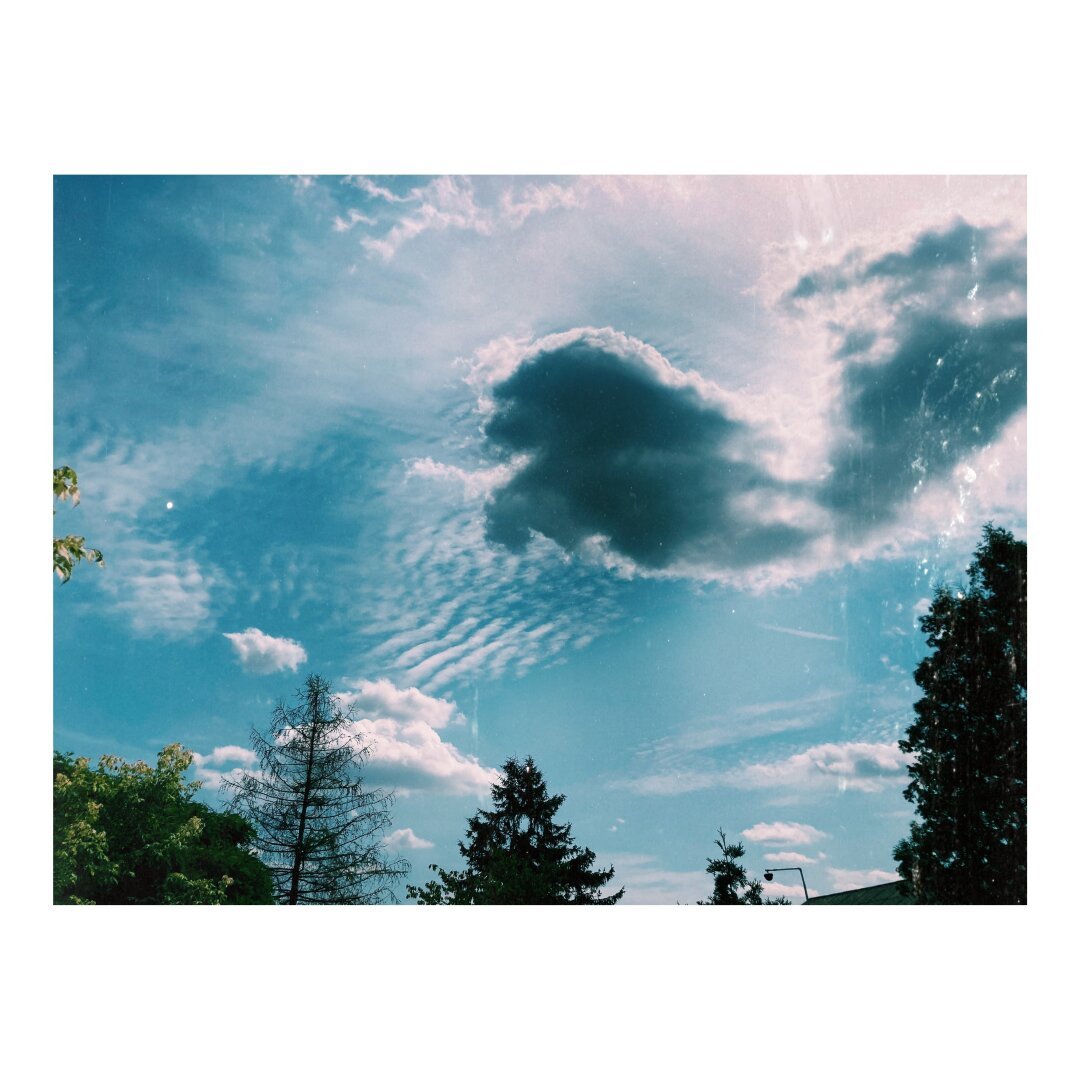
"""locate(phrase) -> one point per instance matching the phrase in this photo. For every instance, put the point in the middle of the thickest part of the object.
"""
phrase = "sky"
(649, 478)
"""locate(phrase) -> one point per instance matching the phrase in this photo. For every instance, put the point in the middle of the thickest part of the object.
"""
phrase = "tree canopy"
(969, 737)
(317, 827)
(70, 550)
(515, 853)
(126, 833)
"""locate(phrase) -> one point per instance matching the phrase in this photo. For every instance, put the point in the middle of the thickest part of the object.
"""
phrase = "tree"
(69, 550)
(126, 833)
(969, 738)
(316, 826)
(516, 854)
(731, 883)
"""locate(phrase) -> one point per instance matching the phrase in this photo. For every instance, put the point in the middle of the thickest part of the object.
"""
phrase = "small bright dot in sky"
(168, 505)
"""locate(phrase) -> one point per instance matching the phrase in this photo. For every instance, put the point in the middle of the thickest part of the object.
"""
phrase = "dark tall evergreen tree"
(969, 738)
(317, 827)
(516, 854)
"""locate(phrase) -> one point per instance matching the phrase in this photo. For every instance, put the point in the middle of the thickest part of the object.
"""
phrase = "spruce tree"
(515, 853)
(318, 828)
(969, 738)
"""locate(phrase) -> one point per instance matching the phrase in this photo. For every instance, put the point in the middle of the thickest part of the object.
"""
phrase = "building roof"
(889, 893)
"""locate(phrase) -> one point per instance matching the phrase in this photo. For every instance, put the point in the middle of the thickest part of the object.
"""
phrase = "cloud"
(842, 880)
(628, 456)
(854, 766)
(261, 654)
(407, 840)
(799, 633)
(790, 856)
(647, 883)
(210, 768)
(401, 728)
(780, 833)
(452, 203)
(908, 363)
(161, 591)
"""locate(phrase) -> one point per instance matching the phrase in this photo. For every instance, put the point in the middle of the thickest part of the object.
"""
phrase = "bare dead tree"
(318, 829)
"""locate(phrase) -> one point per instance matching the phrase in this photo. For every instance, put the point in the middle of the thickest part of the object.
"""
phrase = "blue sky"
(647, 477)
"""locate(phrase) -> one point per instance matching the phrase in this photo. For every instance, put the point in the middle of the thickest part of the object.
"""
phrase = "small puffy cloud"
(780, 833)
(223, 762)
(865, 767)
(401, 727)
(261, 654)
(407, 840)
(791, 856)
(843, 880)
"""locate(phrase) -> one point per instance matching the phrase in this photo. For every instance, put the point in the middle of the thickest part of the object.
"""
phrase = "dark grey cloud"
(616, 452)
(960, 256)
(947, 389)
(618, 446)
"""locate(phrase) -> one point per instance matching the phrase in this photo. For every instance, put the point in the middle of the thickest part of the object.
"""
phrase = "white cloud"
(261, 654)
(407, 840)
(779, 833)
(477, 482)
(842, 880)
(865, 767)
(647, 883)
(210, 768)
(160, 591)
(790, 856)
(400, 726)
(382, 699)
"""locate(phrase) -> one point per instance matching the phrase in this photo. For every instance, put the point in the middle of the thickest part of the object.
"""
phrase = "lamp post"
(777, 869)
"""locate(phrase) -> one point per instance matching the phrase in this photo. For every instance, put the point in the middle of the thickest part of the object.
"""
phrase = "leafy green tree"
(516, 854)
(969, 737)
(317, 827)
(69, 550)
(126, 833)
(731, 883)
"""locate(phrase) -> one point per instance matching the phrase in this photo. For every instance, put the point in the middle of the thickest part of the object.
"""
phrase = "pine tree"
(731, 883)
(516, 854)
(317, 827)
(969, 738)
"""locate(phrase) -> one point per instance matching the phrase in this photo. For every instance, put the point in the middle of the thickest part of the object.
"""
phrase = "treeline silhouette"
(304, 828)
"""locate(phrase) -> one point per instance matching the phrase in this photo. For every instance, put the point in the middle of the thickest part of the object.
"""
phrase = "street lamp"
(777, 869)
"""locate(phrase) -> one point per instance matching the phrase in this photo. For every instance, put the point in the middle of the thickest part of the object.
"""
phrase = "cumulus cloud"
(854, 766)
(261, 654)
(918, 370)
(401, 728)
(212, 768)
(407, 840)
(791, 856)
(779, 833)
(624, 453)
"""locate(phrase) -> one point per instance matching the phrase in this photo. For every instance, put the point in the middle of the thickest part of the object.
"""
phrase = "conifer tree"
(731, 883)
(969, 738)
(515, 853)
(318, 829)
